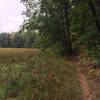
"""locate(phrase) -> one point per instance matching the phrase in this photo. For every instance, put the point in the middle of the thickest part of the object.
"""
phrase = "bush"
(55, 49)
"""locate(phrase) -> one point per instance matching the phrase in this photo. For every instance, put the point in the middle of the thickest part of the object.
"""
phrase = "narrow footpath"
(87, 92)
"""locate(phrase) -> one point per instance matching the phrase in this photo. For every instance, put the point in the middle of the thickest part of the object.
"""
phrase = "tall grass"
(42, 77)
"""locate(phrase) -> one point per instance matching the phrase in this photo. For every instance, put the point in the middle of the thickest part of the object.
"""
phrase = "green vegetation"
(63, 25)
(39, 77)
(58, 28)
(17, 40)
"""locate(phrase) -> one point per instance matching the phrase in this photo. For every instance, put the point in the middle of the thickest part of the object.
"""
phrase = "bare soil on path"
(87, 92)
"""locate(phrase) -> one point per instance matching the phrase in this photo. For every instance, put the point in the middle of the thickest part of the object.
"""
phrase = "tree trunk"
(68, 42)
(93, 10)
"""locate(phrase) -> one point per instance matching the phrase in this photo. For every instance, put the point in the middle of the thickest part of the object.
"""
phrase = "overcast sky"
(10, 15)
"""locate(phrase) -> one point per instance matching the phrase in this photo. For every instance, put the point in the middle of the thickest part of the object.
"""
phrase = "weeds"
(40, 77)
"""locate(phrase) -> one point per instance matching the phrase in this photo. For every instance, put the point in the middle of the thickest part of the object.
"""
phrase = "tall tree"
(53, 21)
(67, 27)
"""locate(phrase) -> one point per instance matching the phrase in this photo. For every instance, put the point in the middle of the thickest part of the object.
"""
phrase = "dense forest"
(64, 25)
(17, 40)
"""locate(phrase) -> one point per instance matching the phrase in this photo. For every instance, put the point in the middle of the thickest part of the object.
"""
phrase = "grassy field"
(11, 55)
(28, 74)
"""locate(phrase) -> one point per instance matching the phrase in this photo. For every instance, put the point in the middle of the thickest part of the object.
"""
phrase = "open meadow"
(16, 56)
(28, 74)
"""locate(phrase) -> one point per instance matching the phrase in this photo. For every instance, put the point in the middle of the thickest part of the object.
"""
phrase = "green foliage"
(29, 40)
(56, 49)
(49, 18)
(5, 40)
(55, 19)
(84, 24)
(17, 40)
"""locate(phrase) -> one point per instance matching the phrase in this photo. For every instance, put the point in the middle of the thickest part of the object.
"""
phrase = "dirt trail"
(87, 92)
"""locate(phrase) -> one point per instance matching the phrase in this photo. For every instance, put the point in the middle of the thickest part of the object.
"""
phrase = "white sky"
(10, 15)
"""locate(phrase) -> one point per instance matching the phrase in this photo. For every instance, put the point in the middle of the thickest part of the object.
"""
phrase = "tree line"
(16, 40)
(64, 24)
